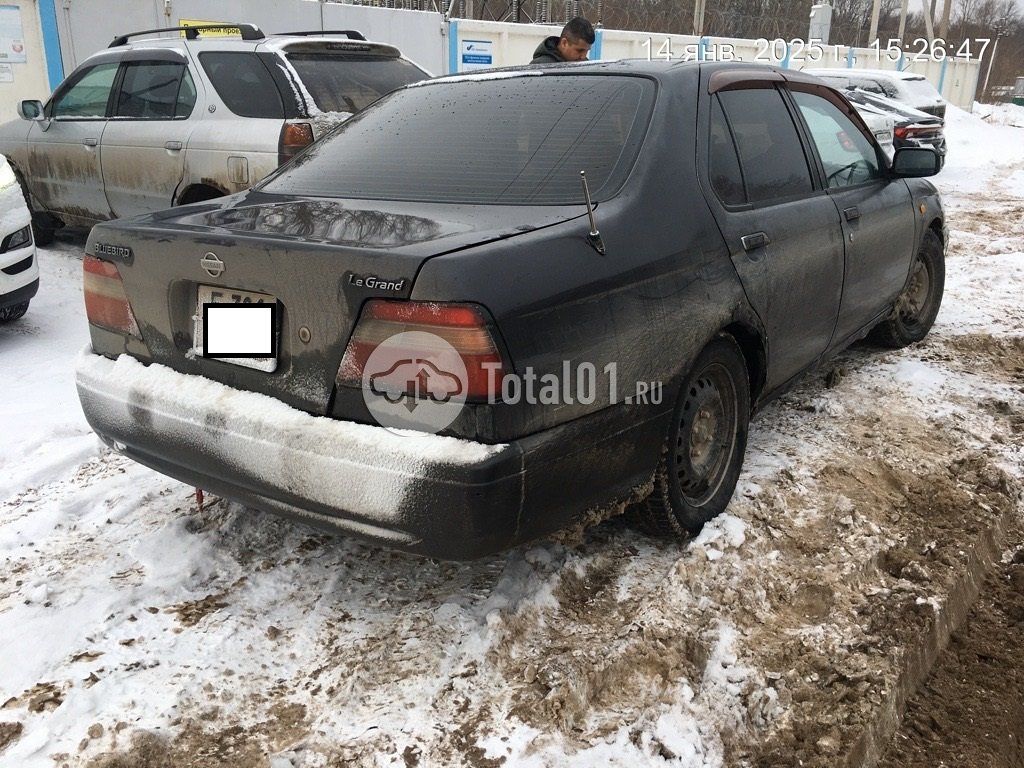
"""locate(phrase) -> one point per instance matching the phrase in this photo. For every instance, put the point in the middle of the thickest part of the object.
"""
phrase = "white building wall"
(29, 78)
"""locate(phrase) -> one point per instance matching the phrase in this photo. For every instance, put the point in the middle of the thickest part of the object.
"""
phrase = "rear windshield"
(352, 82)
(921, 89)
(515, 140)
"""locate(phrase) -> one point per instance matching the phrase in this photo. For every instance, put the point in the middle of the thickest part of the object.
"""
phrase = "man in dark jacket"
(573, 44)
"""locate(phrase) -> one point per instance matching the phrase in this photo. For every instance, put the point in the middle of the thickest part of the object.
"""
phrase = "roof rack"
(249, 32)
(351, 34)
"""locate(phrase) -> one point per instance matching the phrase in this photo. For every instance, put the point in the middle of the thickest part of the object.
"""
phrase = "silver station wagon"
(156, 121)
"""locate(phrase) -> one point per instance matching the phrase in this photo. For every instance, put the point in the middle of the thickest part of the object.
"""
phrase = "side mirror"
(914, 162)
(31, 109)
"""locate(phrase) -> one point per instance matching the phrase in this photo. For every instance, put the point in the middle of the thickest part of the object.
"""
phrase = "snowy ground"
(134, 625)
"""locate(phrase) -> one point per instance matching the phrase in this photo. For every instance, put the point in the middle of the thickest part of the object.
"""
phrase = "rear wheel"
(13, 313)
(917, 306)
(704, 449)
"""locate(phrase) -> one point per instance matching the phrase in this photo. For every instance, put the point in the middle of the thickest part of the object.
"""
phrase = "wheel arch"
(755, 355)
(200, 191)
(23, 183)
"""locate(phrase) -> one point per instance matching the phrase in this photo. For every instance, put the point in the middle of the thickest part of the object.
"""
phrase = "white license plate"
(210, 294)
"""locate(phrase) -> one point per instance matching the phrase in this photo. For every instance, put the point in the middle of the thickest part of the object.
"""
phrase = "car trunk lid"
(320, 259)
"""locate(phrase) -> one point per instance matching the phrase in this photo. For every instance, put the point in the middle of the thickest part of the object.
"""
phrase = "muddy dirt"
(203, 743)
(970, 712)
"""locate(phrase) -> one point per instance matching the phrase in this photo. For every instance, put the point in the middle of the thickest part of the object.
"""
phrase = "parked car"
(880, 123)
(734, 227)
(19, 270)
(905, 87)
(911, 127)
(156, 121)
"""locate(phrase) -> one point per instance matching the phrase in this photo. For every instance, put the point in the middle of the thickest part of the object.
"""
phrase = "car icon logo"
(418, 379)
(212, 265)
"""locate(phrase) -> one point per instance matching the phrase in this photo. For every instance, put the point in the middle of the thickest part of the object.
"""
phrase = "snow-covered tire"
(914, 312)
(703, 452)
(9, 314)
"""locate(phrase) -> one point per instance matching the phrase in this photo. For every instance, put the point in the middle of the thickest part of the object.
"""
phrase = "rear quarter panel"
(214, 140)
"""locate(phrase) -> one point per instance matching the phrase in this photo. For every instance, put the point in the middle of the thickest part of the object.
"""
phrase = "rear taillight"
(462, 327)
(106, 304)
(295, 137)
(916, 131)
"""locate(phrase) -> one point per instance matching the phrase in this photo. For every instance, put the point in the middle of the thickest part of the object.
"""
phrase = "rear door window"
(846, 154)
(351, 82)
(771, 156)
(152, 90)
(88, 94)
(516, 140)
(726, 177)
(186, 96)
(243, 83)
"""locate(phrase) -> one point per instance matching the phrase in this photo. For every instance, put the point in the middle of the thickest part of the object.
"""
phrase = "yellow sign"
(225, 32)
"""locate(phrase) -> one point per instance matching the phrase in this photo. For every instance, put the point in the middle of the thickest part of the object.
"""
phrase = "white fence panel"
(88, 26)
(420, 35)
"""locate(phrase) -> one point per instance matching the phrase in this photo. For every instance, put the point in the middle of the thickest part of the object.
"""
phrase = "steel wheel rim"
(915, 297)
(706, 435)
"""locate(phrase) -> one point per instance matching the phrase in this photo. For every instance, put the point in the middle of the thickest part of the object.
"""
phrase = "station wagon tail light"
(106, 303)
(295, 137)
(464, 326)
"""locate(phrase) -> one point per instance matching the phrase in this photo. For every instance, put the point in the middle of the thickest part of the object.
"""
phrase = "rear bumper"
(438, 496)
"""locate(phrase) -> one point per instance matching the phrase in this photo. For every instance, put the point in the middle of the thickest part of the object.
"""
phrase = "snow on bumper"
(424, 493)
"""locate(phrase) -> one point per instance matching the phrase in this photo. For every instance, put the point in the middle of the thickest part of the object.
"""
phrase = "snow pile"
(724, 532)
(325, 122)
(971, 145)
(1000, 114)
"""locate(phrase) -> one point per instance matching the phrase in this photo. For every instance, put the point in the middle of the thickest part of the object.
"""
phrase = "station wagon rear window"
(516, 140)
(351, 82)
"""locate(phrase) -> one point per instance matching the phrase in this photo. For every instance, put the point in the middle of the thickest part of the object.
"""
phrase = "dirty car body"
(477, 205)
(156, 120)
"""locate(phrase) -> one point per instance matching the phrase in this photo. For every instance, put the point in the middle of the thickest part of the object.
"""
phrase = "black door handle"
(754, 241)
(851, 214)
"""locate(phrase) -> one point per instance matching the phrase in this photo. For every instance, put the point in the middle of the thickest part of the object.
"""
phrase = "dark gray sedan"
(490, 306)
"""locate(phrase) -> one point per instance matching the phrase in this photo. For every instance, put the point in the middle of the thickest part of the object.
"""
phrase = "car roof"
(853, 72)
(271, 41)
(651, 68)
